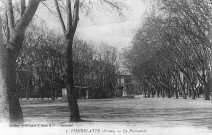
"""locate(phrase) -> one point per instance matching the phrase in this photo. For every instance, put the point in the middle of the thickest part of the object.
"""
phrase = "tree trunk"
(193, 93)
(10, 109)
(183, 91)
(20, 94)
(176, 93)
(52, 91)
(163, 93)
(158, 93)
(207, 89)
(27, 93)
(55, 93)
(16, 115)
(152, 92)
(72, 97)
(189, 92)
(169, 92)
(207, 95)
(41, 93)
(145, 93)
(4, 109)
(148, 94)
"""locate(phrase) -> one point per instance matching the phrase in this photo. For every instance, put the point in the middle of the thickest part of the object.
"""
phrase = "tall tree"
(10, 108)
(69, 30)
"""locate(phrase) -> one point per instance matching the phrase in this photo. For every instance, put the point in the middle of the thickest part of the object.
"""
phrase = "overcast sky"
(103, 26)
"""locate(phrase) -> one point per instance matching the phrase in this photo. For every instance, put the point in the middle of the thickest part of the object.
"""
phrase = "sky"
(104, 26)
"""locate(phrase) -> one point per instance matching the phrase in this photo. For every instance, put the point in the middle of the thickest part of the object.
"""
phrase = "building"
(126, 86)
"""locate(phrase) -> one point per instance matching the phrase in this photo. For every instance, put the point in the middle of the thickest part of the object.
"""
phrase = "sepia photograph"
(106, 67)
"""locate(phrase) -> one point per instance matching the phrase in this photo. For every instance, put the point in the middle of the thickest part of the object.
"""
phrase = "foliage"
(43, 58)
(171, 52)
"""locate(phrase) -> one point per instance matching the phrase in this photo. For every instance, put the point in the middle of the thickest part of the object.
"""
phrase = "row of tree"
(41, 64)
(171, 52)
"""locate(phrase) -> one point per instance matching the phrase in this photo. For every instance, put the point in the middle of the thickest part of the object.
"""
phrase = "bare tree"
(69, 29)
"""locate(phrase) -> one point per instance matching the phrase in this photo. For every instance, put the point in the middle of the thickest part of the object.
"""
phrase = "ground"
(131, 115)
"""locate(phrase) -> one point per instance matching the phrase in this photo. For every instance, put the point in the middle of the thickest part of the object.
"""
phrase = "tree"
(83, 57)
(69, 31)
(172, 49)
(109, 57)
(11, 109)
(194, 20)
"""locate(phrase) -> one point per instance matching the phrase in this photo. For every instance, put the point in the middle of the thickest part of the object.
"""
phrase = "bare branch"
(69, 15)
(48, 8)
(60, 16)
(27, 15)
(23, 7)
(111, 4)
(10, 14)
(63, 6)
(7, 29)
(76, 14)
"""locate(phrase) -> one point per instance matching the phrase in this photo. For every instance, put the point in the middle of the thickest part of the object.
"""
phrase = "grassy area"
(148, 111)
(134, 116)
